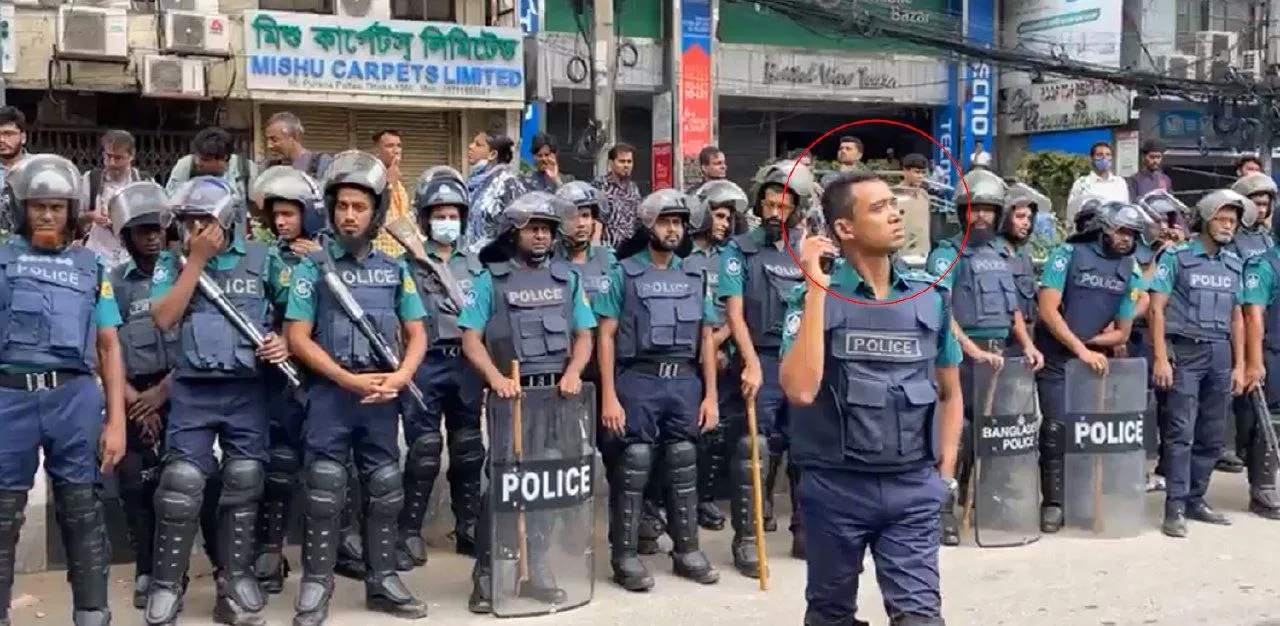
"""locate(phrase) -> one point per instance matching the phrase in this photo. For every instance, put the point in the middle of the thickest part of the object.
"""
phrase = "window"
(1232, 16)
(324, 7)
(423, 10)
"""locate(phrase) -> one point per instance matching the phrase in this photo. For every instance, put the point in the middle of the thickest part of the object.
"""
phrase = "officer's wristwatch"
(952, 484)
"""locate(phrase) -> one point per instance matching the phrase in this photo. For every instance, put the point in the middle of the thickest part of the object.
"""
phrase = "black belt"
(1187, 341)
(39, 380)
(663, 369)
(990, 345)
(540, 380)
(447, 352)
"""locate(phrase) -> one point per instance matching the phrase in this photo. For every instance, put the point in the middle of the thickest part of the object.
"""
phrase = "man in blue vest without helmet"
(1089, 289)
(449, 384)
(985, 300)
(217, 392)
(1197, 338)
(58, 327)
(879, 411)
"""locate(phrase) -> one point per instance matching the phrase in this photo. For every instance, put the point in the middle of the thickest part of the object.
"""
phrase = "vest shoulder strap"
(500, 270)
(746, 244)
(560, 270)
(631, 267)
(473, 263)
(255, 256)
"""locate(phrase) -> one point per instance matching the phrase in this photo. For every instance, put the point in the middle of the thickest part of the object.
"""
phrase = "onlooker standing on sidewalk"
(213, 154)
(100, 184)
(386, 146)
(1248, 164)
(546, 174)
(849, 156)
(1100, 183)
(493, 185)
(13, 148)
(1149, 177)
(284, 146)
(712, 163)
(622, 192)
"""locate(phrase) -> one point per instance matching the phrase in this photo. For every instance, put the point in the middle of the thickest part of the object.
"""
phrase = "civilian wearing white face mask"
(449, 385)
(1100, 182)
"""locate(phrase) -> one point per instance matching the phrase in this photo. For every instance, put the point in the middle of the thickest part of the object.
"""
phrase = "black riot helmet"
(1086, 221)
(532, 207)
(45, 177)
(142, 203)
(441, 186)
(721, 194)
(359, 170)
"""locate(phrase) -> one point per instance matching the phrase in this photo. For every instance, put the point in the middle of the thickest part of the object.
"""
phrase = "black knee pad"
(386, 492)
(76, 500)
(180, 493)
(681, 462)
(634, 465)
(1053, 440)
(241, 482)
(742, 450)
(326, 489)
(424, 455)
(466, 447)
(283, 461)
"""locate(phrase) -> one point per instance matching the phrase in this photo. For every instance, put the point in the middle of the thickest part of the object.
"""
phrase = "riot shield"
(1105, 461)
(914, 204)
(1006, 472)
(542, 462)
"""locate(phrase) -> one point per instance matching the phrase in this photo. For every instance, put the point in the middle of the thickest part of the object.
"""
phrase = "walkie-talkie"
(816, 224)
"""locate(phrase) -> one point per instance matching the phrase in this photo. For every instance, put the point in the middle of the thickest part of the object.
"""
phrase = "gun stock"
(1259, 399)
(405, 231)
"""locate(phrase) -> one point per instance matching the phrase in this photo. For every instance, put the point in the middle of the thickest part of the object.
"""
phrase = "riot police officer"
(1262, 326)
(1196, 323)
(725, 206)
(290, 203)
(149, 357)
(757, 273)
(449, 384)
(217, 391)
(986, 298)
(1087, 300)
(58, 325)
(656, 320)
(352, 402)
(1022, 204)
(520, 269)
(591, 261)
(880, 426)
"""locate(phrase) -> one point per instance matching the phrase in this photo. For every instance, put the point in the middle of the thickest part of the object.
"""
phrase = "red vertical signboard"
(662, 174)
(695, 83)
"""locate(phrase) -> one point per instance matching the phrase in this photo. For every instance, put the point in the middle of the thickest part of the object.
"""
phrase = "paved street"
(1219, 576)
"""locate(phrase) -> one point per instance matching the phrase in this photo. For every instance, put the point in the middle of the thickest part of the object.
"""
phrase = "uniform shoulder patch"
(1251, 280)
(733, 266)
(160, 275)
(793, 323)
(1060, 263)
(407, 284)
(303, 287)
(105, 289)
(920, 276)
(283, 278)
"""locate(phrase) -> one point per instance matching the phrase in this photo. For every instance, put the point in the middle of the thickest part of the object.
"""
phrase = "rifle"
(214, 293)
(1259, 400)
(404, 231)
(358, 317)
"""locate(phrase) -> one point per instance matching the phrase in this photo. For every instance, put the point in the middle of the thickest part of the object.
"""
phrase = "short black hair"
(1152, 145)
(119, 139)
(377, 137)
(544, 140)
(1248, 158)
(620, 148)
(213, 142)
(13, 115)
(503, 147)
(915, 160)
(853, 140)
(706, 154)
(1100, 144)
(837, 194)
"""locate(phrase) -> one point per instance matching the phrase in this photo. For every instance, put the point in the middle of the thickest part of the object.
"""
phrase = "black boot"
(13, 506)
(950, 522)
(1230, 462)
(746, 558)
(1175, 520)
(771, 483)
(711, 458)
(626, 495)
(1264, 500)
(466, 465)
(652, 526)
(137, 498)
(351, 543)
(681, 464)
(421, 468)
(273, 519)
(83, 522)
(798, 550)
(384, 592)
(1052, 475)
(240, 599)
(326, 497)
(179, 498)
(481, 600)
(541, 585)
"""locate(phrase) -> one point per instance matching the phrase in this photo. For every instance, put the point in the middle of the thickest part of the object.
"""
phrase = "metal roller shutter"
(744, 139)
(429, 138)
(328, 129)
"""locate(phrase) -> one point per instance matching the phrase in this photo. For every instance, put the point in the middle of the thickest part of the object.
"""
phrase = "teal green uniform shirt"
(1260, 280)
(106, 312)
(1054, 276)
(608, 303)
(733, 266)
(846, 281)
(1167, 269)
(166, 271)
(280, 270)
(938, 262)
(476, 315)
(303, 295)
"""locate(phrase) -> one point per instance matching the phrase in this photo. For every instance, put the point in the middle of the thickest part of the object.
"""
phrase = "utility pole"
(605, 54)
(1269, 83)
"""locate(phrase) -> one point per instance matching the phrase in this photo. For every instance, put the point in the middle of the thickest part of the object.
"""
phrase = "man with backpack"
(213, 154)
(101, 183)
(284, 146)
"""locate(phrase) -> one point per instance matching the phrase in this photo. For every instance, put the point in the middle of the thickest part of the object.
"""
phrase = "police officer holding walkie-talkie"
(219, 297)
(349, 306)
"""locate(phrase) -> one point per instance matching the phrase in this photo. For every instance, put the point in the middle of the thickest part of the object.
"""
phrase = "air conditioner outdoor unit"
(375, 9)
(172, 77)
(1251, 62)
(189, 6)
(93, 33)
(195, 33)
(1179, 66)
(1215, 46)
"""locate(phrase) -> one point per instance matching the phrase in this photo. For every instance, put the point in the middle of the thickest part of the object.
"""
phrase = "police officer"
(1262, 325)
(149, 357)
(520, 267)
(986, 298)
(1087, 299)
(880, 412)
(290, 203)
(1251, 240)
(757, 273)
(448, 382)
(656, 320)
(591, 261)
(1022, 204)
(725, 206)
(217, 391)
(1196, 323)
(58, 325)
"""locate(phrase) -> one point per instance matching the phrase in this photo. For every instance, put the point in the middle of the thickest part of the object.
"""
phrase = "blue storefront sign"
(980, 86)
(944, 131)
(535, 110)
